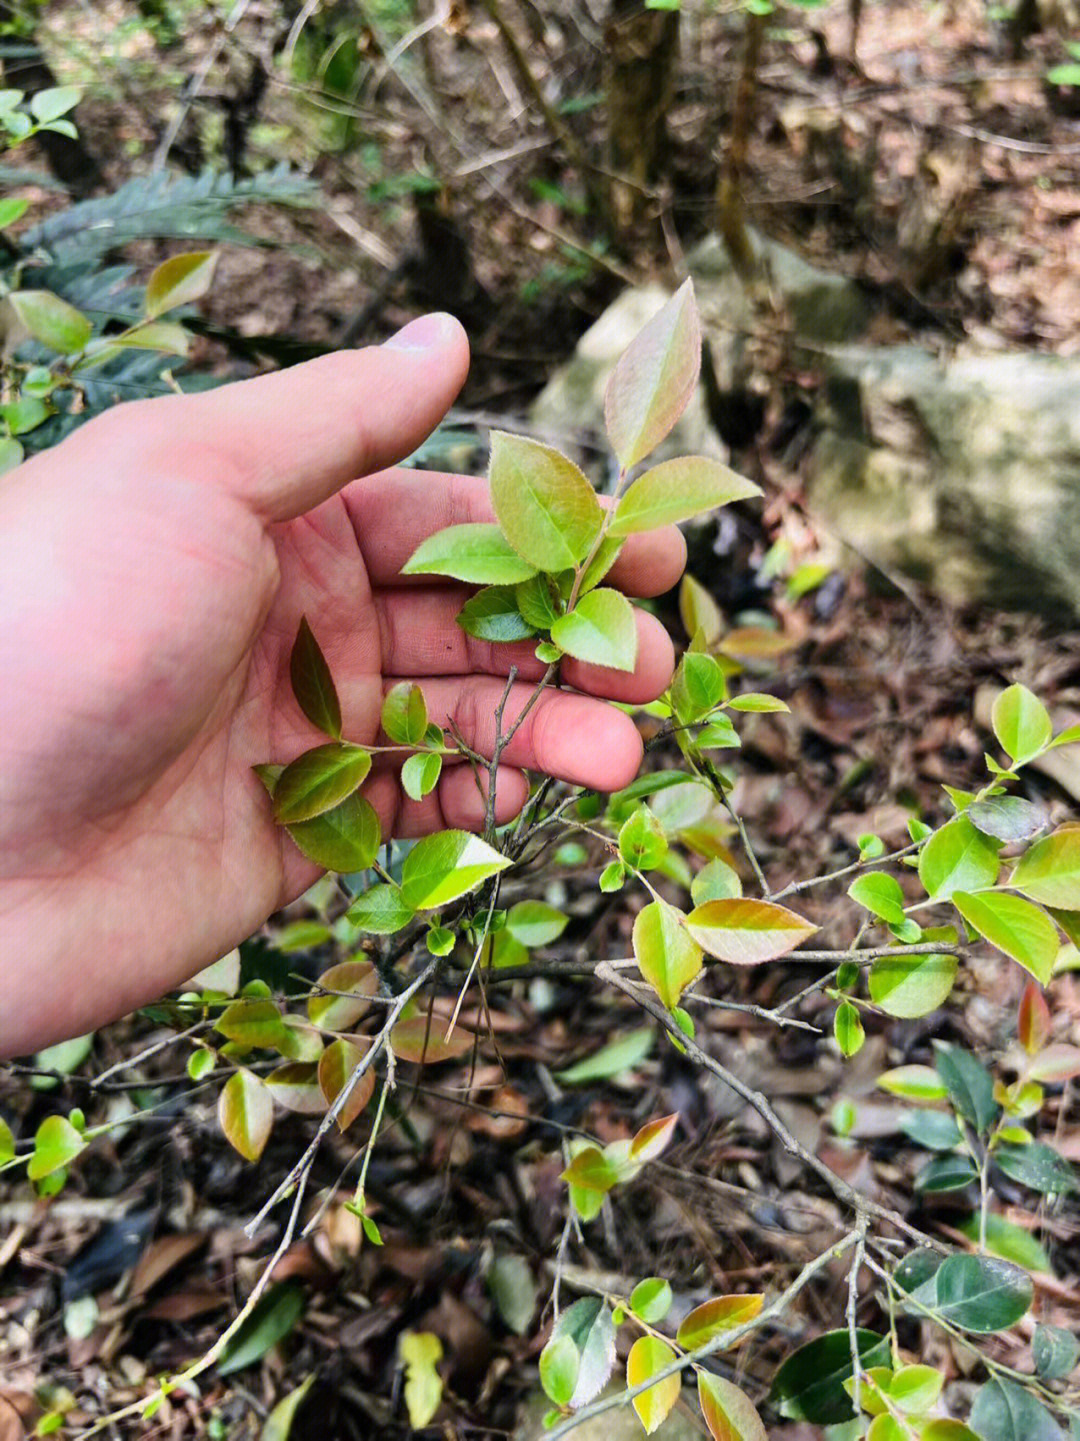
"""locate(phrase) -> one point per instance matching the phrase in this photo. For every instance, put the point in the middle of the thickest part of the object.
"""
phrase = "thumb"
(296, 436)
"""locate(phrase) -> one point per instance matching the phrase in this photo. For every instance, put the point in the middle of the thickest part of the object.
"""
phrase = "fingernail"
(426, 333)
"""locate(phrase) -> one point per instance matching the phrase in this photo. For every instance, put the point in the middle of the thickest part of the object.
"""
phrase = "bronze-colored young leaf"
(414, 1039)
(312, 684)
(713, 1318)
(180, 280)
(699, 612)
(345, 839)
(667, 956)
(546, 507)
(729, 1413)
(654, 378)
(246, 1114)
(1033, 1020)
(654, 1138)
(476, 554)
(319, 780)
(648, 1355)
(676, 490)
(600, 630)
(296, 1087)
(336, 1065)
(746, 932)
(355, 981)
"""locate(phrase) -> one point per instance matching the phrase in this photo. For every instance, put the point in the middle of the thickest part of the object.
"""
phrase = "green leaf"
(275, 1315)
(716, 881)
(251, 1023)
(648, 1355)
(698, 686)
(52, 321)
(56, 1144)
(1021, 724)
(180, 280)
(946, 1173)
(848, 1029)
(319, 780)
(492, 614)
(970, 1085)
(759, 702)
(712, 1318)
(560, 1362)
(1009, 1241)
(1005, 1411)
(445, 866)
(544, 503)
(651, 1299)
(1049, 871)
(1054, 1351)
(476, 554)
(1014, 926)
(420, 775)
(12, 209)
(958, 858)
(48, 105)
(420, 1351)
(404, 714)
(345, 839)
(607, 553)
(588, 1324)
(936, 1130)
(312, 684)
(278, 1425)
(11, 454)
(614, 1059)
(513, 1289)
(349, 988)
(22, 416)
(1038, 1166)
(600, 630)
(911, 986)
(675, 491)
(809, 1386)
(746, 932)
(642, 843)
(296, 1087)
(380, 911)
(914, 1083)
(980, 1293)
(654, 378)
(880, 895)
(538, 603)
(1007, 818)
(534, 923)
(666, 954)
(592, 1170)
(729, 1413)
(7, 1142)
(246, 1114)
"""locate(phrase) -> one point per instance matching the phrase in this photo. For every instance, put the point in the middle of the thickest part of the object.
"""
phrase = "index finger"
(393, 512)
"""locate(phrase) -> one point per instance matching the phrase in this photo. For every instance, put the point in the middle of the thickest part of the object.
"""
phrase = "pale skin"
(153, 571)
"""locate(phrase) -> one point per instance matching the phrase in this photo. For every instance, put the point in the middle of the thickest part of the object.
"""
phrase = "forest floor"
(940, 174)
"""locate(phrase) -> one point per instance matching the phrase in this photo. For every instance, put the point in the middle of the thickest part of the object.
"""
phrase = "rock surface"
(961, 472)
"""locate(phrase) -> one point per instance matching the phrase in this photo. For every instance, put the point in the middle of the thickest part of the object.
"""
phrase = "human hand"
(153, 571)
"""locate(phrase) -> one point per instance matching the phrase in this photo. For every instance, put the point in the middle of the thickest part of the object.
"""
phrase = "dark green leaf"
(946, 1173)
(319, 780)
(809, 1386)
(936, 1130)
(1054, 1351)
(344, 839)
(981, 1294)
(1005, 1411)
(970, 1085)
(274, 1316)
(1038, 1166)
(312, 683)
(492, 614)
(1007, 818)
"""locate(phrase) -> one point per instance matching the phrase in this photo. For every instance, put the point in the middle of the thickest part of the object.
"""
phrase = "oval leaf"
(970, 1085)
(1049, 872)
(1007, 818)
(493, 614)
(319, 780)
(546, 507)
(56, 1144)
(295, 1086)
(713, 1318)
(477, 554)
(415, 1040)
(809, 1386)
(420, 775)
(600, 630)
(355, 981)
(1014, 926)
(648, 1355)
(746, 932)
(911, 986)
(380, 911)
(1021, 724)
(52, 321)
(344, 839)
(958, 858)
(677, 490)
(667, 956)
(180, 280)
(981, 1294)
(654, 378)
(588, 1324)
(1005, 1411)
(336, 1065)
(651, 1299)
(729, 1413)
(246, 1114)
(445, 866)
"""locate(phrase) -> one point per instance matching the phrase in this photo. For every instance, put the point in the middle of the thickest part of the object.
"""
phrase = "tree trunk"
(642, 47)
(730, 207)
